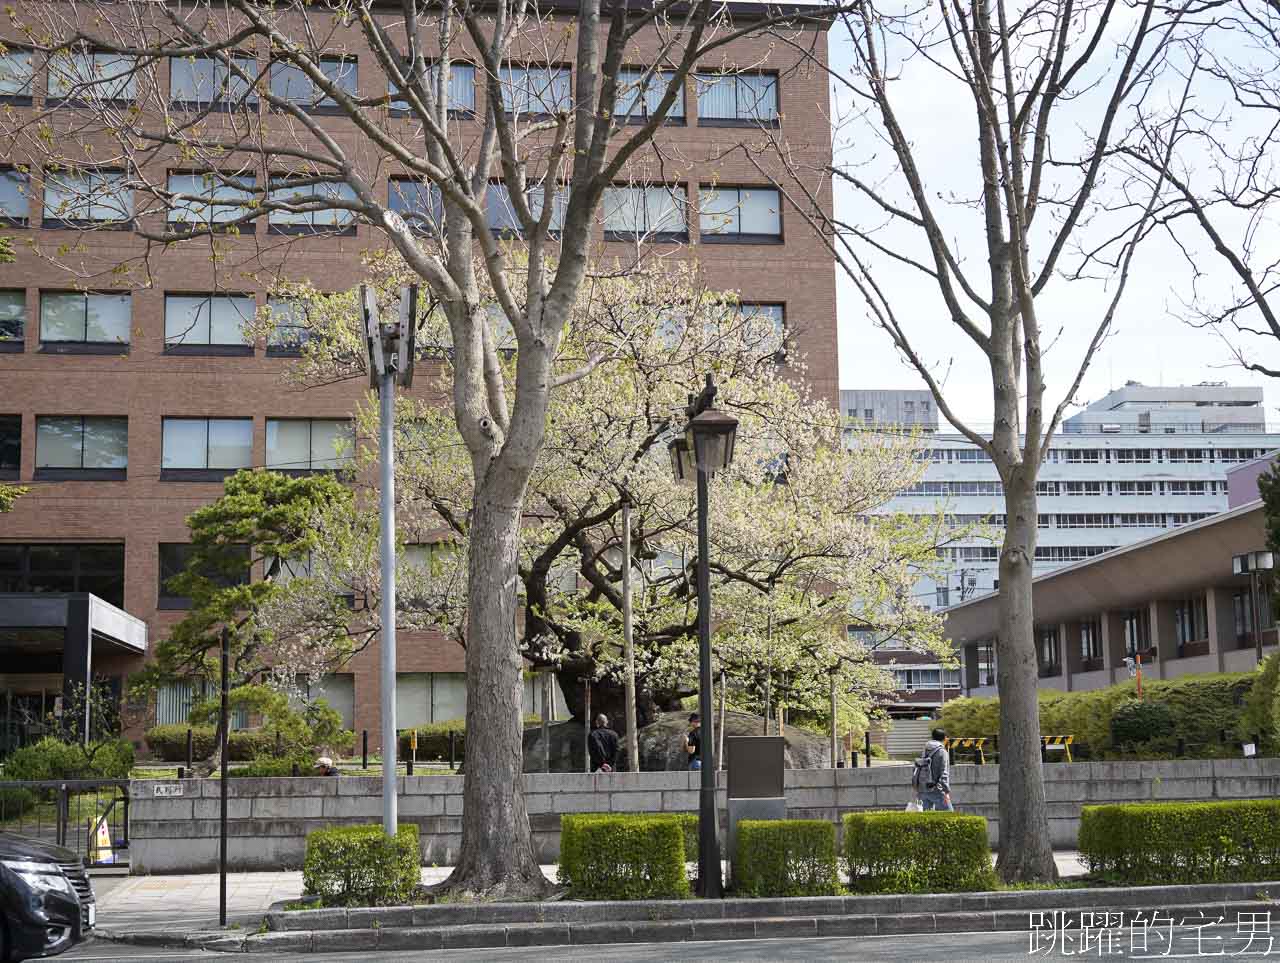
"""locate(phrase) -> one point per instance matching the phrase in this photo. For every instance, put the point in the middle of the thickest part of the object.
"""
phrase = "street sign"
(162, 789)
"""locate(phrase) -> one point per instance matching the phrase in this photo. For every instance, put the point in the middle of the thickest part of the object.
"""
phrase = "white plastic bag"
(914, 806)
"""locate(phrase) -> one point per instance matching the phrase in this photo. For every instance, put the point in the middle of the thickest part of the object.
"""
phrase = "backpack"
(922, 778)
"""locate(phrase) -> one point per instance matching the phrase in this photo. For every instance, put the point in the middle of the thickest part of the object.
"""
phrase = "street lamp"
(707, 447)
(390, 352)
(1254, 564)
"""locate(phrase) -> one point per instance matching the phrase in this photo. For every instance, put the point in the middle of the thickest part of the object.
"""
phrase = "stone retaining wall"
(270, 818)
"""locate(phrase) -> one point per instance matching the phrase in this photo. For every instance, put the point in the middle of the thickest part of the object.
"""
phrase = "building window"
(308, 208)
(13, 320)
(1091, 646)
(205, 449)
(1190, 621)
(10, 446)
(303, 445)
(640, 91)
(86, 448)
(1048, 650)
(207, 323)
(73, 320)
(210, 201)
(16, 75)
(772, 315)
(649, 213)
(1136, 629)
(418, 202)
(210, 83)
(461, 94)
(84, 75)
(868, 414)
(739, 215)
(1132, 456)
(15, 197)
(289, 327)
(290, 83)
(737, 100)
(84, 198)
(1135, 488)
(232, 569)
(1082, 456)
(1090, 488)
(1189, 488)
(502, 217)
(1047, 488)
(98, 569)
(942, 596)
(1186, 456)
(536, 91)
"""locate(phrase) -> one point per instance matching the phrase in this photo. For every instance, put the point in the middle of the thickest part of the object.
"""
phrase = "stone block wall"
(270, 818)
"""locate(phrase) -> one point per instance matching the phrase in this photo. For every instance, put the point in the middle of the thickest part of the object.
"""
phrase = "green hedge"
(604, 856)
(1159, 843)
(360, 866)
(1198, 707)
(786, 857)
(267, 768)
(900, 852)
(433, 739)
(15, 802)
(52, 758)
(168, 743)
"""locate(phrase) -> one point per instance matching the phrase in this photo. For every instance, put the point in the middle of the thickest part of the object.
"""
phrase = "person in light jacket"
(932, 778)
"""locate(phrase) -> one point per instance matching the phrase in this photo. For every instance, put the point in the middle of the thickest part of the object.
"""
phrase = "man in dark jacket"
(602, 744)
(932, 778)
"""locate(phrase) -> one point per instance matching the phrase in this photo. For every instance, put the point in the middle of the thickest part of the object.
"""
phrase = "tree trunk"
(608, 695)
(493, 791)
(1026, 852)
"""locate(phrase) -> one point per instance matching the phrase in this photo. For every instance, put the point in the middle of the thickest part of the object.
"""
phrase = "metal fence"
(87, 816)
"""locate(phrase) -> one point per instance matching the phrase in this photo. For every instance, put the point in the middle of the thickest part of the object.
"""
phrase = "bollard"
(853, 762)
(452, 744)
(1044, 753)
(409, 766)
(1181, 749)
(279, 748)
(951, 755)
(188, 749)
(364, 748)
(294, 769)
(866, 746)
(182, 773)
(1222, 735)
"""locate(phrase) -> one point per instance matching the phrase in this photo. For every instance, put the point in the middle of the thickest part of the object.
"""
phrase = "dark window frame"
(279, 182)
(54, 223)
(22, 574)
(310, 469)
(771, 124)
(314, 109)
(53, 473)
(456, 113)
(652, 237)
(741, 238)
(9, 220)
(243, 104)
(205, 474)
(634, 120)
(79, 101)
(27, 99)
(85, 347)
(11, 471)
(210, 349)
(19, 344)
(538, 65)
(169, 602)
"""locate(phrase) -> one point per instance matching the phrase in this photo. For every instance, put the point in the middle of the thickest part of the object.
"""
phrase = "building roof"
(1163, 566)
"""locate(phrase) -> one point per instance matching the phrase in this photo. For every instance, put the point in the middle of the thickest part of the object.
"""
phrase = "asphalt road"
(951, 948)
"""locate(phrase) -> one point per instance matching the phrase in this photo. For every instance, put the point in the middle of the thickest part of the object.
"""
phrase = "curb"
(764, 926)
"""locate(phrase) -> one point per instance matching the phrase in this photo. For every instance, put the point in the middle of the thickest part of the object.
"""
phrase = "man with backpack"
(932, 778)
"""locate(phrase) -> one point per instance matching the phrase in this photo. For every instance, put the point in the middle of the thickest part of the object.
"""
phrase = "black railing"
(88, 816)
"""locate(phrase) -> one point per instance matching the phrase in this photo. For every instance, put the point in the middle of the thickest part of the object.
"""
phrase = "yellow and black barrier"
(1056, 742)
(974, 742)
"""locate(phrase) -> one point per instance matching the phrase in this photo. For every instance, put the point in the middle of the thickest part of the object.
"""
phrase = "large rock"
(662, 744)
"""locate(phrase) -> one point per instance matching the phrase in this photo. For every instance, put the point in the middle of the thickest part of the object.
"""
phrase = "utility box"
(756, 777)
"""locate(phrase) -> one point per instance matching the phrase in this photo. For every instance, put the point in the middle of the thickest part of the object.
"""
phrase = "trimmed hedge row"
(361, 866)
(604, 856)
(786, 857)
(52, 758)
(1160, 843)
(433, 739)
(168, 743)
(1109, 722)
(900, 852)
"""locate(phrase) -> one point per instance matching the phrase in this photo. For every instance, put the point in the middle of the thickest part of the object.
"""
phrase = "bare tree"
(234, 94)
(1050, 83)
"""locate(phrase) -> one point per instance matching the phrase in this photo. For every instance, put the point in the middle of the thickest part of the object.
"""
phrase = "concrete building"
(1137, 463)
(1172, 600)
(124, 409)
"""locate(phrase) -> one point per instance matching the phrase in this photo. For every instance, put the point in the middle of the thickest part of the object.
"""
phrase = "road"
(953, 948)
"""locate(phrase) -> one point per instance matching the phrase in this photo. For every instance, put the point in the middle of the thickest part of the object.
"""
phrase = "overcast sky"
(1151, 342)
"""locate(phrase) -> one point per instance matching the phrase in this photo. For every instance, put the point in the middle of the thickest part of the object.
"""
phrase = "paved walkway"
(157, 903)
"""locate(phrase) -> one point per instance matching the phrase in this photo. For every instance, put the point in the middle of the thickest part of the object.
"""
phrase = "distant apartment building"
(1137, 463)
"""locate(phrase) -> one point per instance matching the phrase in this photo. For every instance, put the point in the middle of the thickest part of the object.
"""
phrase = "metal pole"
(546, 720)
(720, 728)
(834, 749)
(1253, 605)
(586, 728)
(388, 561)
(224, 720)
(708, 831)
(628, 640)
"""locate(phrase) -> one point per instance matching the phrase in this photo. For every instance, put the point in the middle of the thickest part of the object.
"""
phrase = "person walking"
(932, 778)
(602, 744)
(693, 742)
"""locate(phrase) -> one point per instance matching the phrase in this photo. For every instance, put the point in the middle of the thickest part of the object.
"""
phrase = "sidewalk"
(152, 904)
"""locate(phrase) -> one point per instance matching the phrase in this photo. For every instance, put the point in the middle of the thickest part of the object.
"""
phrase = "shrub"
(265, 768)
(168, 743)
(433, 739)
(360, 866)
(604, 856)
(786, 857)
(899, 852)
(1262, 706)
(15, 802)
(52, 758)
(1159, 843)
(1198, 707)
(1143, 723)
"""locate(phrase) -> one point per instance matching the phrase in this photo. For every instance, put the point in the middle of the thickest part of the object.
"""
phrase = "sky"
(1151, 343)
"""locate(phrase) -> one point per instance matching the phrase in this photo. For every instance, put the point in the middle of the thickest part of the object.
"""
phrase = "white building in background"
(1138, 462)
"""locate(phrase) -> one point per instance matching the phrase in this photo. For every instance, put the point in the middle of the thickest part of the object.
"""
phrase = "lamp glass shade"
(682, 465)
(1263, 561)
(1239, 564)
(711, 436)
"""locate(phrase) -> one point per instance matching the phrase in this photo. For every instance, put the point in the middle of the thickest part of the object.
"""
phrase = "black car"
(46, 902)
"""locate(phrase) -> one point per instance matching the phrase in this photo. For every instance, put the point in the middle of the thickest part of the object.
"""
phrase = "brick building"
(123, 407)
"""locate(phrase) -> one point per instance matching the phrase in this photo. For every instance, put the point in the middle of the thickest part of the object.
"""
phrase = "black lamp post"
(1254, 564)
(707, 447)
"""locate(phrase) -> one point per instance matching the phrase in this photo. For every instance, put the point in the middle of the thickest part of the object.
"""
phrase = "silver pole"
(547, 708)
(633, 737)
(388, 560)
(834, 740)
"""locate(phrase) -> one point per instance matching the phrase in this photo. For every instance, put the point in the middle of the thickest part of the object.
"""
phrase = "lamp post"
(390, 352)
(707, 447)
(1254, 564)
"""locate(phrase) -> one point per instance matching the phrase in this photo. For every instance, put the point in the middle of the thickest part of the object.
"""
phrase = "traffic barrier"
(1062, 743)
(976, 743)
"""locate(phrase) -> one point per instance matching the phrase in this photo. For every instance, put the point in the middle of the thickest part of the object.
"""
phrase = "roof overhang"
(38, 620)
